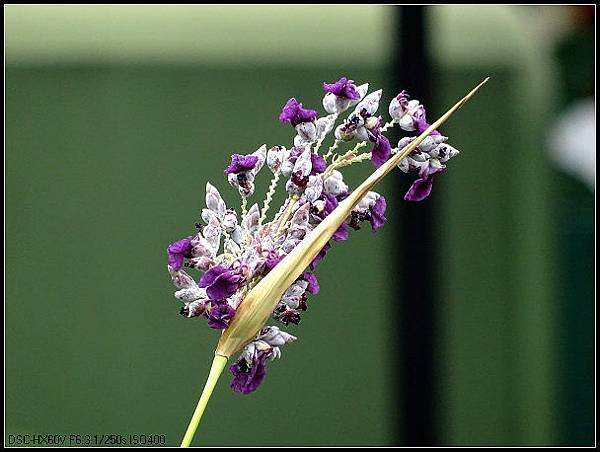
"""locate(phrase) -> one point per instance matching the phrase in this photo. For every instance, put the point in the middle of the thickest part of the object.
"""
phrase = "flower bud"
(403, 165)
(201, 262)
(191, 293)
(334, 104)
(370, 104)
(275, 157)
(407, 123)
(181, 279)
(334, 184)
(307, 131)
(261, 153)
(444, 152)
(273, 336)
(372, 122)
(229, 221)
(325, 125)
(405, 142)
(366, 202)
(300, 217)
(343, 133)
(430, 143)
(303, 165)
(193, 309)
(243, 181)
(201, 247)
(212, 233)
(214, 201)
(252, 218)
(314, 188)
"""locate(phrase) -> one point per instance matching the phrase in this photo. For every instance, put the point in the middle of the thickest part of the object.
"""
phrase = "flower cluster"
(234, 250)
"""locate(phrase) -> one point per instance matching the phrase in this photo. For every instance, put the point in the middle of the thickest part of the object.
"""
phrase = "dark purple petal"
(272, 260)
(343, 88)
(381, 151)
(331, 203)
(318, 164)
(241, 163)
(219, 315)
(430, 169)
(313, 284)
(341, 233)
(211, 275)
(378, 214)
(319, 257)
(422, 124)
(294, 113)
(177, 251)
(420, 189)
(288, 113)
(248, 377)
(221, 282)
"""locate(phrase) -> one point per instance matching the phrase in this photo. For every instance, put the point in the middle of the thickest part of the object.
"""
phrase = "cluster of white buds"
(361, 123)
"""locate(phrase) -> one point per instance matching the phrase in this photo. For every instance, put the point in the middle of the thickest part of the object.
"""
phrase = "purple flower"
(378, 214)
(343, 88)
(341, 233)
(381, 151)
(372, 209)
(411, 114)
(423, 125)
(319, 257)
(178, 251)
(294, 113)
(272, 260)
(221, 282)
(219, 315)
(241, 163)
(247, 377)
(318, 164)
(313, 284)
(331, 203)
(421, 188)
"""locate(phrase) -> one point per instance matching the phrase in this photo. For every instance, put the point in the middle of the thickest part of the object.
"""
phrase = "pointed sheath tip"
(474, 90)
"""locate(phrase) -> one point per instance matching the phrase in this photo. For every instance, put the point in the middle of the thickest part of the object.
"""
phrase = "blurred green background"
(116, 116)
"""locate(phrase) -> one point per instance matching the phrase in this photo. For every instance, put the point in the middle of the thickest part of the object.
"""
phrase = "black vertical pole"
(416, 286)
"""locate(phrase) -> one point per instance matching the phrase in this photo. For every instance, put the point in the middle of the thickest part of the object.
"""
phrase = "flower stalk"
(216, 369)
(261, 300)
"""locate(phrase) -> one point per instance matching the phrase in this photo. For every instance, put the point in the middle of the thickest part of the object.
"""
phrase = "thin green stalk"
(216, 369)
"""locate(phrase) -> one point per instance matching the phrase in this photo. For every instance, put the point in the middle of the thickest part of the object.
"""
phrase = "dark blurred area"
(575, 129)
(467, 320)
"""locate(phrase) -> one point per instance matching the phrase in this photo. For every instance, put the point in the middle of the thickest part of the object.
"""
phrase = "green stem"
(216, 369)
